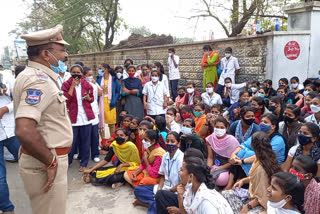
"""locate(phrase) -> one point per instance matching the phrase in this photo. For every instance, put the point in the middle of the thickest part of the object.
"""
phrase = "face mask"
(154, 69)
(248, 121)
(294, 86)
(171, 147)
(305, 93)
(315, 109)
(188, 186)
(60, 67)
(228, 84)
(186, 116)
(100, 72)
(154, 79)
(190, 90)
(254, 90)
(76, 76)
(197, 114)
(206, 53)
(169, 117)
(280, 95)
(65, 68)
(119, 75)
(277, 205)
(209, 90)
(146, 144)
(304, 140)
(272, 108)
(169, 54)
(181, 95)
(298, 174)
(227, 55)
(264, 127)
(120, 140)
(186, 130)
(133, 130)
(131, 74)
(287, 119)
(260, 95)
(145, 74)
(220, 132)
(89, 79)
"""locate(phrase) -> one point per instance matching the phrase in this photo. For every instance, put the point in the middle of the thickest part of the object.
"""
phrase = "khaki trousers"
(34, 178)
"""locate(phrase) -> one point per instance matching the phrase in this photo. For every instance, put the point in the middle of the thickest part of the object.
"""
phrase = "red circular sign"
(292, 50)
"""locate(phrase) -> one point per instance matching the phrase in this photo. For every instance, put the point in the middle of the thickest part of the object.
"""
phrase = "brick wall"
(251, 52)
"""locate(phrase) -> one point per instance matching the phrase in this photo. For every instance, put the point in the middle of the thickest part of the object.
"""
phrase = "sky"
(160, 16)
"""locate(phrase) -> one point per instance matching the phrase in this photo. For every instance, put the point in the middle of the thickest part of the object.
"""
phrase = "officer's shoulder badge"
(33, 96)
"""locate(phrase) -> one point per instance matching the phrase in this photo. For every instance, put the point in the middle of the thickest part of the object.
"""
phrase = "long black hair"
(200, 170)
(110, 70)
(309, 165)
(152, 135)
(264, 153)
(291, 185)
(159, 65)
(161, 123)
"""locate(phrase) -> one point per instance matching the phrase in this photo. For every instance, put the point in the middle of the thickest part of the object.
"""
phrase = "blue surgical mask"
(197, 113)
(264, 127)
(60, 68)
(100, 71)
(260, 95)
(305, 93)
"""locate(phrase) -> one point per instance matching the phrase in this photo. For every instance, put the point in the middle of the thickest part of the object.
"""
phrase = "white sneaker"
(96, 159)
(75, 156)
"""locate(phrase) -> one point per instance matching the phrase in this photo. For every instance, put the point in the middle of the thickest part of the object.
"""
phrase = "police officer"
(42, 123)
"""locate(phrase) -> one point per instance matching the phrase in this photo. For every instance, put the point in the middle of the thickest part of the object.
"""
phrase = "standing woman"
(79, 94)
(162, 78)
(111, 93)
(155, 99)
(97, 91)
(132, 91)
(145, 74)
(209, 63)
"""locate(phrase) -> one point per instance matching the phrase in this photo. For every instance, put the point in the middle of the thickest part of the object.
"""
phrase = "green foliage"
(143, 30)
(89, 25)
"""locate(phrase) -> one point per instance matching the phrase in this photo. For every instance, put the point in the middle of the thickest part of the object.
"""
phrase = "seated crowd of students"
(246, 150)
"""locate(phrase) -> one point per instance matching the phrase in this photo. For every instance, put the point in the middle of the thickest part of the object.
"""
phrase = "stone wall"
(251, 52)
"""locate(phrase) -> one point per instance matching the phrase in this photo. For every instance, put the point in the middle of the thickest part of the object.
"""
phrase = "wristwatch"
(242, 161)
(249, 206)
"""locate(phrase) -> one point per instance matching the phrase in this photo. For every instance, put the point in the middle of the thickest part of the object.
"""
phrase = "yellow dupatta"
(152, 155)
(126, 153)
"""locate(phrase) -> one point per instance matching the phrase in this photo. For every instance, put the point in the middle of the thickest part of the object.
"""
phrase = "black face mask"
(287, 119)
(120, 140)
(248, 121)
(181, 95)
(133, 130)
(272, 108)
(76, 76)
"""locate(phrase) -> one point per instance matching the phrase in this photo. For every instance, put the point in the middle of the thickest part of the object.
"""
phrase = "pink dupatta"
(101, 103)
(224, 146)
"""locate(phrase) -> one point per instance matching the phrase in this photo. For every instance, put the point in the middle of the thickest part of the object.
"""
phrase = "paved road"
(82, 198)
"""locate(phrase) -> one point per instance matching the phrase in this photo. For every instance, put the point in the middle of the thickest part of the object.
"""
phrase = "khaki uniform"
(37, 96)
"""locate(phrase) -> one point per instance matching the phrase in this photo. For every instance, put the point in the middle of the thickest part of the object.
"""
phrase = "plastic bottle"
(258, 29)
(253, 31)
(277, 26)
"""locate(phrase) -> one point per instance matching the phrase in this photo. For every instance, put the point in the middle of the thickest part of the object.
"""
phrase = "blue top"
(278, 146)
(233, 127)
(132, 83)
(116, 88)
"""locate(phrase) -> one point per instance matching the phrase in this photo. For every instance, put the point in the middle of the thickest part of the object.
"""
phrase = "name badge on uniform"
(167, 183)
(154, 99)
(33, 96)
(225, 70)
(217, 162)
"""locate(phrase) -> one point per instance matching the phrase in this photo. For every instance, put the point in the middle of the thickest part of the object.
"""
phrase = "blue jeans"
(145, 195)
(174, 88)
(13, 146)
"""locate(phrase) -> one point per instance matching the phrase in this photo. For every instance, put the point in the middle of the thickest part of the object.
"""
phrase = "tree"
(89, 25)
(241, 11)
(143, 30)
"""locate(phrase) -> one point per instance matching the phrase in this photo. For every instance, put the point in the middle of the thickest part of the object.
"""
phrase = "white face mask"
(315, 109)
(254, 90)
(169, 117)
(227, 55)
(206, 53)
(220, 132)
(294, 86)
(228, 84)
(170, 55)
(190, 90)
(209, 90)
(89, 79)
(277, 205)
(154, 69)
(146, 144)
(154, 79)
(119, 75)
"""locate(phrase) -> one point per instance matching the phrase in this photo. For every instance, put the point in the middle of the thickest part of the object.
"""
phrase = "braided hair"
(200, 170)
